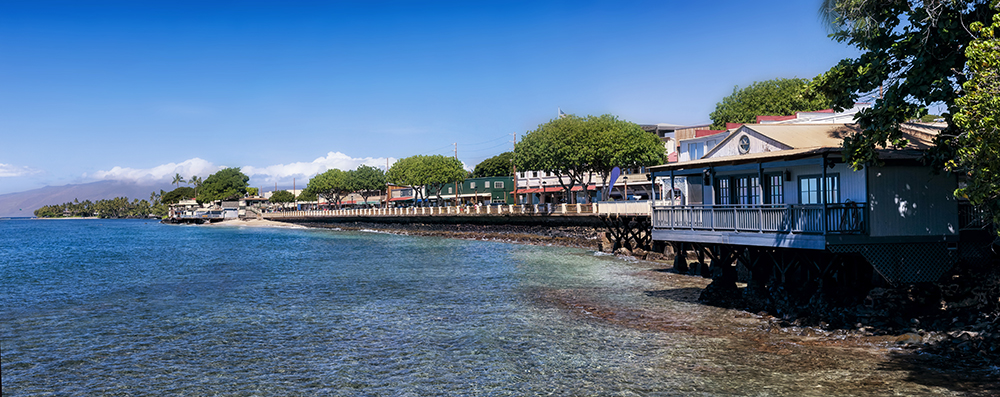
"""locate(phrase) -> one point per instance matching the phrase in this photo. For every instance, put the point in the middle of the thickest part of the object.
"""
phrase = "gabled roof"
(803, 140)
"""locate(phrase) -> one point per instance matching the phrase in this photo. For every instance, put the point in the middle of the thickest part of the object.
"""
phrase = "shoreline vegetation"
(957, 337)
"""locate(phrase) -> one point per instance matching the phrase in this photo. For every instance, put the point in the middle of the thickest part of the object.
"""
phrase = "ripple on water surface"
(133, 307)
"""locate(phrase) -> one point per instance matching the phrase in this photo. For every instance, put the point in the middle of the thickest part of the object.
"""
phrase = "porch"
(772, 225)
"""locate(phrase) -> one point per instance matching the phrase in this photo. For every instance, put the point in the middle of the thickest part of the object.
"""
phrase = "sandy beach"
(254, 223)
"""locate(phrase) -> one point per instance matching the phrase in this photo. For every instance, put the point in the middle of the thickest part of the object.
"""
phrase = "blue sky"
(139, 91)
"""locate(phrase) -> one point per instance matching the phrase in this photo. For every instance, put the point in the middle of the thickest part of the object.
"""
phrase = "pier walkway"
(538, 214)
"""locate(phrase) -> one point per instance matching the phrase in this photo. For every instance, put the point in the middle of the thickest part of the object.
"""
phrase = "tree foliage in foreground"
(574, 147)
(916, 54)
(979, 118)
(499, 165)
(913, 54)
(226, 184)
(778, 97)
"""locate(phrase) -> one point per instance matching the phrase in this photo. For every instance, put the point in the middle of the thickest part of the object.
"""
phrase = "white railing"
(485, 210)
(846, 218)
(628, 207)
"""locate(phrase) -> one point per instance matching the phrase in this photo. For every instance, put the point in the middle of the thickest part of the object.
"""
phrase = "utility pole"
(385, 202)
(456, 182)
(513, 163)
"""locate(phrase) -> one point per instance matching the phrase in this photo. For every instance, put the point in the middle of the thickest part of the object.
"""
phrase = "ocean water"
(132, 307)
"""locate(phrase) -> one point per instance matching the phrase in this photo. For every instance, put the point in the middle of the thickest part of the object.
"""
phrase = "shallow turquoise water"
(102, 307)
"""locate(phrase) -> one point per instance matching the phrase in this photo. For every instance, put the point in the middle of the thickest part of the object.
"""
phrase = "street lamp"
(543, 192)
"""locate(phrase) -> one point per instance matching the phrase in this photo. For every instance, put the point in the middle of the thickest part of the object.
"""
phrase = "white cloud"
(160, 173)
(9, 170)
(284, 172)
(280, 173)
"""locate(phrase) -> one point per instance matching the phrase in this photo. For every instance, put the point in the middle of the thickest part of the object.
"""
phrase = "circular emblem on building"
(744, 144)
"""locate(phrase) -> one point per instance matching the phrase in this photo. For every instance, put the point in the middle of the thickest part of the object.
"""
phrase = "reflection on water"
(130, 307)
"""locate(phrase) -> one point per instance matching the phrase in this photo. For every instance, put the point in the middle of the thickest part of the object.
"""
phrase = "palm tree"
(196, 181)
(178, 179)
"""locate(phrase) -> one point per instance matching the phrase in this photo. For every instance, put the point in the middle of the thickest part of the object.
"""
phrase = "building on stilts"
(777, 206)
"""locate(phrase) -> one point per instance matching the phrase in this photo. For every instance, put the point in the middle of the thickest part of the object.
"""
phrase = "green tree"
(226, 184)
(282, 196)
(575, 148)
(176, 195)
(252, 191)
(196, 181)
(778, 97)
(366, 181)
(912, 57)
(499, 165)
(979, 117)
(406, 172)
(426, 172)
(330, 185)
(306, 195)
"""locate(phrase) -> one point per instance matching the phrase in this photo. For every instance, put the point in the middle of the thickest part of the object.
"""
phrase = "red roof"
(730, 126)
(672, 157)
(701, 133)
(818, 111)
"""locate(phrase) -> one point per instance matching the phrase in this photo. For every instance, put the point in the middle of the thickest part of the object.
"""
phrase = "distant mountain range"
(25, 203)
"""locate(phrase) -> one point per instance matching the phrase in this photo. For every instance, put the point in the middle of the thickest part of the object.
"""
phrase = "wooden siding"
(757, 145)
(910, 201)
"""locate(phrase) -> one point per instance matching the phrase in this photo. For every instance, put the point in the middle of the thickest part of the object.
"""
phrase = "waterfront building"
(782, 195)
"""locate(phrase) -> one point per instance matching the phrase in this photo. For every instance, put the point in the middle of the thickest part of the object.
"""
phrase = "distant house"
(784, 189)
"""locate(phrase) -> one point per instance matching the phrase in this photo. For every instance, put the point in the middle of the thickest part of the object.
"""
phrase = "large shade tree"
(499, 165)
(226, 184)
(777, 97)
(282, 196)
(575, 148)
(331, 185)
(366, 181)
(426, 172)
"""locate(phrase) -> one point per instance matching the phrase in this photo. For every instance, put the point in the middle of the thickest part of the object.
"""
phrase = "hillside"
(25, 203)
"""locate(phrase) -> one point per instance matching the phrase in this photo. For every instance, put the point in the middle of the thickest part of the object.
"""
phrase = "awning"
(401, 199)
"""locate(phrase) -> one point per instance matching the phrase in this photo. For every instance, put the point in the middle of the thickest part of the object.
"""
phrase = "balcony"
(841, 218)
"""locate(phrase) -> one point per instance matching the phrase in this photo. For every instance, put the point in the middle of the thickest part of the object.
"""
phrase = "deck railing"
(486, 210)
(972, 217)
(842, 218)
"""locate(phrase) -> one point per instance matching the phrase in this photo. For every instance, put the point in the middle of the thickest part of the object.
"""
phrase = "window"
(696, 150)
(450, 191)
(472, 185)
(746, 190)
(534, 174)
(725, 192)
(498, 184)
(809, 189)
(710, 144)
(775, 189)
